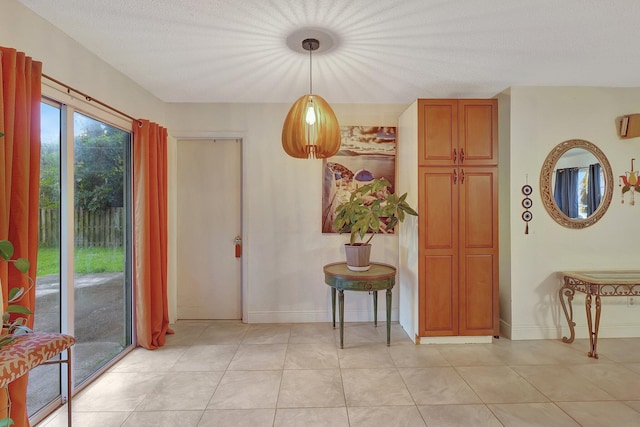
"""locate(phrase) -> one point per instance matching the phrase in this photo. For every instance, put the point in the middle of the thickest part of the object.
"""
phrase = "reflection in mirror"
(576, 183)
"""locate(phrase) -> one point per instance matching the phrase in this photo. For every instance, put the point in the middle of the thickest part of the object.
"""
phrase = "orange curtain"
(150, 233)
(20, 97)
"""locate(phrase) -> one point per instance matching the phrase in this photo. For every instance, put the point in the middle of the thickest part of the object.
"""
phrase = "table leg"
(593, 328)
(375, 308)
(69, 388)
(388, 317)
(587, 305)
(568, 292)
(597, 326)
(341, 306)
(333, 305)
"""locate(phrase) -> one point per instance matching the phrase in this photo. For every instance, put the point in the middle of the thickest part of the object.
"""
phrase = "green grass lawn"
(87, 260)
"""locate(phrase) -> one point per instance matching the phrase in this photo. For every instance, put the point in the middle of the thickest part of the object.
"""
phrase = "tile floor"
(222, 373)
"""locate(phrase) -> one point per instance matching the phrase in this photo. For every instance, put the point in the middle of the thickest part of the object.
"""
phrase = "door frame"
(172, 215)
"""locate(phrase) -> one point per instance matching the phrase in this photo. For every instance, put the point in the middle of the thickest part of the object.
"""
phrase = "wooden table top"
(378, 271)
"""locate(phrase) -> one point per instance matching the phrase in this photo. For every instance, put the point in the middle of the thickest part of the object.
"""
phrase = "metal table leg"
(375, 308)
(69, 387)
(388, 317)
(593, 329)
(341, 305)
(568, 292)
(333, 305)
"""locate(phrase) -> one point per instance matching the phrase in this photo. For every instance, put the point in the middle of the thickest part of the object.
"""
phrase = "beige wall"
(504, 207)
(532, 120)
(67, 61)
(540, 118)
(408, 236)
(285, 249)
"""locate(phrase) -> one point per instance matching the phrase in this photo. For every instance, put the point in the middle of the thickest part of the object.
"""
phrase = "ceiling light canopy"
(311, 129)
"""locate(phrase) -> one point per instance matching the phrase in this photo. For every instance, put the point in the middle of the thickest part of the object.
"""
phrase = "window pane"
(44, 381)
(101, 287)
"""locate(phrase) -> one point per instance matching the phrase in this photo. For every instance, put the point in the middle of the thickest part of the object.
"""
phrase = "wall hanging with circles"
(527, 216)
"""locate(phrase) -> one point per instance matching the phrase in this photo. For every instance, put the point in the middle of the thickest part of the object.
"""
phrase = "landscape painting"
(366, 153)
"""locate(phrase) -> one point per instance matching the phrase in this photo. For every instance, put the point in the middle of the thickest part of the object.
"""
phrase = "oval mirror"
(576, 183)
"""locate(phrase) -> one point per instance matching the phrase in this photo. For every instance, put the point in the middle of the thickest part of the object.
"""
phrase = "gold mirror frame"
(546, 192)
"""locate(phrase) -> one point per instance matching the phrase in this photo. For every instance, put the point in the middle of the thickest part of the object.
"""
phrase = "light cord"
(310, 70)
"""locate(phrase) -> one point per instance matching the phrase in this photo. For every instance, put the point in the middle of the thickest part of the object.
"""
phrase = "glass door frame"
(69, 104)
(68, 239)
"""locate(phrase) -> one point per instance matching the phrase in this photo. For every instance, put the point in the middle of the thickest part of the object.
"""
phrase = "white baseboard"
(316, 316)
(457, 340)
(505, 329)
(536, 332)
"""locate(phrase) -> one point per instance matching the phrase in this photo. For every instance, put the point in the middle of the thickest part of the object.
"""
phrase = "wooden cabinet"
(457, 132)
(458, 217)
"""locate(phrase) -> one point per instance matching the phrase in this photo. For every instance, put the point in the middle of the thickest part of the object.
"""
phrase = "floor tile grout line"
(505, 362)
(413, 399)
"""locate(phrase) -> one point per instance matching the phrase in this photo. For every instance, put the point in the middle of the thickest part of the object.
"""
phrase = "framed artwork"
(366, 153)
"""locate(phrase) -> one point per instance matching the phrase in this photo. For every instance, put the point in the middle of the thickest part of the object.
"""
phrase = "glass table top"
(611, 276)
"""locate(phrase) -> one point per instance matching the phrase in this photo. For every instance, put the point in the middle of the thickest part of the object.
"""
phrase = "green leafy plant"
(6, 422)
(12, 328)
(371, 209)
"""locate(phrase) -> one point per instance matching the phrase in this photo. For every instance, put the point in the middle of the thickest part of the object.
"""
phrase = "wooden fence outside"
(99, 228)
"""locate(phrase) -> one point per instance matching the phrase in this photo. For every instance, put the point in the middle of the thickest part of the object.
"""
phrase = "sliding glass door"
(45, 381)
(83, 285)
(102, 289)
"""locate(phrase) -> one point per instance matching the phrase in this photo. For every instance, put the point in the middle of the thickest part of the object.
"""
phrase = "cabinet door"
(478, 222)
(478, 132)
(437, 132)
(438, 251)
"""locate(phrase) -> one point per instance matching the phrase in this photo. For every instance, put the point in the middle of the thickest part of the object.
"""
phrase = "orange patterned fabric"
(29, 351)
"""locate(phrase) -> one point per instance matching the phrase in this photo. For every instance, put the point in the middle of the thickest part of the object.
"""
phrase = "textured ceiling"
(385, 51)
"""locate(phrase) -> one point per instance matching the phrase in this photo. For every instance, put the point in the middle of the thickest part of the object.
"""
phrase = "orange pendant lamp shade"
(311, 129)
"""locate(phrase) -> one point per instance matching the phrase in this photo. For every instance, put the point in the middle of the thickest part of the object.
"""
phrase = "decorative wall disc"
(527, 203)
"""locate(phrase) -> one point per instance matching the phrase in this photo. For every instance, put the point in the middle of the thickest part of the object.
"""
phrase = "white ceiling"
(385, 51)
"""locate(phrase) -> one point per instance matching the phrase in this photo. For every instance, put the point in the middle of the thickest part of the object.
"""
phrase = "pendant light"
(311, 129)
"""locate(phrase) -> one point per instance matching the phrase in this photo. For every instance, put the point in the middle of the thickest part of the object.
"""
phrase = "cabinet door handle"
(455, 155)
(461, 155)
(455, 176)
(462, 176)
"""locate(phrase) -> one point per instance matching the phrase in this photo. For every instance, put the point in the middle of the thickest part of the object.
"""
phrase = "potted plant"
(371, 208)
(12, 328)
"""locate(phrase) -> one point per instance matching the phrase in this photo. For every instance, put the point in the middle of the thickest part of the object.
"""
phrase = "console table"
(30, 350)
(378, 277)
(598, 284)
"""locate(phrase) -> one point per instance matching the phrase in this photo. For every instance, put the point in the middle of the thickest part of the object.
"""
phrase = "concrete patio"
(99, 328)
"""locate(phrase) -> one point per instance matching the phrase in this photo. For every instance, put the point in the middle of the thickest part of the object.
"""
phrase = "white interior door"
(209, 219)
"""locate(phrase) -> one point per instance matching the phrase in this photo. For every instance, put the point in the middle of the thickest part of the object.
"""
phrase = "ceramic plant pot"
(358, 256)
